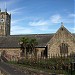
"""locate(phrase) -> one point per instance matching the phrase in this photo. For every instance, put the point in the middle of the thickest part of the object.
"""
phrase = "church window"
(2, 16)
(63, 48)
(62, 29)
(1, 27)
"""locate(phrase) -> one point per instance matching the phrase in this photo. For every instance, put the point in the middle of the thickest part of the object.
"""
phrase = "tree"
(33, 42)
(23, 43)
(28, 46)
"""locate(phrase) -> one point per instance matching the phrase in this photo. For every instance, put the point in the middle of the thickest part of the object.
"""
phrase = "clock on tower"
(5, 19)
(1, 20)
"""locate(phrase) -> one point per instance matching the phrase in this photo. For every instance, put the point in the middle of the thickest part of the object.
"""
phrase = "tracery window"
(63, 48)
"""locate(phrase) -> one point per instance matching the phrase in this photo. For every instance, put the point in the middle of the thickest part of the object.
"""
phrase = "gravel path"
(10, 70)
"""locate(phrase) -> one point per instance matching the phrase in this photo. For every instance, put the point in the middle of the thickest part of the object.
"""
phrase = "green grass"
(44, 64)
(73, 73)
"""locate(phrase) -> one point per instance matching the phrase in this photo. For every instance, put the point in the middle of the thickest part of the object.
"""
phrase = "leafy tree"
(28, 46)
(33, 42)
(23, 43)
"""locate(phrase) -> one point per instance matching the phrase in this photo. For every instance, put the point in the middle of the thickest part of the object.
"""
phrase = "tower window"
(1, 27)
(2, 16)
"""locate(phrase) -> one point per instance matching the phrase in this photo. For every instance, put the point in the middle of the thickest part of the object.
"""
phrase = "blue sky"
(39, 16)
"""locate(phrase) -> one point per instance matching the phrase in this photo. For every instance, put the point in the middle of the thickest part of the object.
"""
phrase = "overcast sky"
(39, 16)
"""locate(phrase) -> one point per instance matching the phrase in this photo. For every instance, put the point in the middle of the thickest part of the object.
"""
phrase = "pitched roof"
(12, 41)
(62, 28)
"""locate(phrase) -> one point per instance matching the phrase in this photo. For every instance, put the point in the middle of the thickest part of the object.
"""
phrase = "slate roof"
(12, 41)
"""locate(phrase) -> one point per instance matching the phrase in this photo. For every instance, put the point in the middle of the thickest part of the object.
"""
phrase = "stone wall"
(5, 26)
(61, 36)
(39, 50)
(11, 53)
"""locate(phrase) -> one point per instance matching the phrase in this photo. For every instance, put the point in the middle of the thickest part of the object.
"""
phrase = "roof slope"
(61, 32)
(13, 40)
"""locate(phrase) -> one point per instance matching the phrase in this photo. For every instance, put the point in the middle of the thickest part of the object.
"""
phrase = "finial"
(5, 7)
(62, 24)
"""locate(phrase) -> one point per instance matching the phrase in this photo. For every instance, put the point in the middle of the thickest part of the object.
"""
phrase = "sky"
(39, 16)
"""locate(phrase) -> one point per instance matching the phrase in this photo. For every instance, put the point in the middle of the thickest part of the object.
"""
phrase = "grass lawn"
(47, 65)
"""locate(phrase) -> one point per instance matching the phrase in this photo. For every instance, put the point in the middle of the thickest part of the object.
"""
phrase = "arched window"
(2, 16)
(63, 48)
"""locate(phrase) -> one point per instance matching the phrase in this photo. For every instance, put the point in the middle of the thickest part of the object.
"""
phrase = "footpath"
(11, 69)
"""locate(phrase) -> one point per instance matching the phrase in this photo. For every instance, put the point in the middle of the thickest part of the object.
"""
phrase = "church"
(60, 43)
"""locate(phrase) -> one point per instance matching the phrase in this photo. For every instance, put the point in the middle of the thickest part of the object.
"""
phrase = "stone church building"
(62, 42)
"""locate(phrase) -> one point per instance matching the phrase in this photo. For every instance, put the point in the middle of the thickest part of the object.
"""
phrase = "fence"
(54, 64)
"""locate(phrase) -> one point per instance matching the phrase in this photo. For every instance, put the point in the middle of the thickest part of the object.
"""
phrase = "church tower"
(5, 19)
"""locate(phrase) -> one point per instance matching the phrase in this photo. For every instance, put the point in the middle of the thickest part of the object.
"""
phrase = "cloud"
(16, 21)
(42, 28)
(71, 15)
(6, 4)
(20, 30)
(38, 23)
(72, 29)
(17, 10)
(13, 21)
(55, 18)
